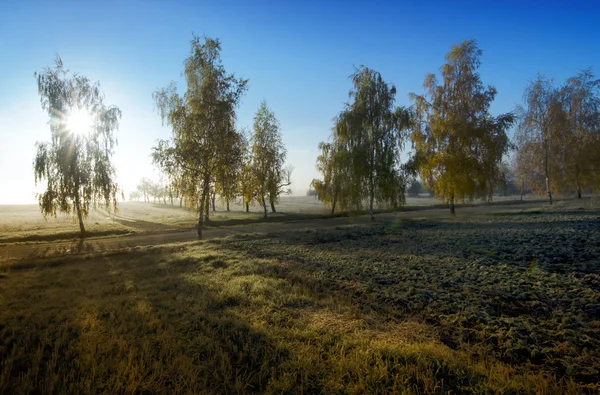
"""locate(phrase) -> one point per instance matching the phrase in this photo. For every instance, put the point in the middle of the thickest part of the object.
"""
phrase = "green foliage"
(361, 161)
(202, 121)
(76, 167)
(230, 167)
(459, 145)
(268, 154)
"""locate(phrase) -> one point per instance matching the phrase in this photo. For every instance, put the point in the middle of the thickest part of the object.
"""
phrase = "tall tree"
(361, 161)
(76, 162)
(580, 97)
(542, 123)
(268, 155)
(459, 145)
(199, 120)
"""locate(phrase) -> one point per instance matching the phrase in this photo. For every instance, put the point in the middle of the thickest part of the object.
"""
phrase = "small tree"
(415, 188)
(268, 158)
(76, 162)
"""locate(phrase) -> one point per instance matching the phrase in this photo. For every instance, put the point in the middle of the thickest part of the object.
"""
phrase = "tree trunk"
(371, 199)
(228, 205)
(207, 208)
(452, 210)
(180, 202)
(371, 189)
(522, 187)
(203, 204)
(334, 202)
(548, 190)
(214, 198)
(79, 216)
(247, 207)
(264, 202)
(272, 206)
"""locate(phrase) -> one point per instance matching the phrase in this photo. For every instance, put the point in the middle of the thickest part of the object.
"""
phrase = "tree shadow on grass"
(491, 284)
(124, 331)
(201, 318)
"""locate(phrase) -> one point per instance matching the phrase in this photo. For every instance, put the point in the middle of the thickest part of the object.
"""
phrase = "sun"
(79, 122)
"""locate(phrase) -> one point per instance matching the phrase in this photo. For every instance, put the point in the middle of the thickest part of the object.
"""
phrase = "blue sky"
(297, 56)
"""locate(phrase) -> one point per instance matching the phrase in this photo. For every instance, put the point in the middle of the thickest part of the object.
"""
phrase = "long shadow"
(145, 226)
(520, 289)
(126, 332)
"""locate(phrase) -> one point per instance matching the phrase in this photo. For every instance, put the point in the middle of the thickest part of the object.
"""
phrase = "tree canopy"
(202, 121)
(362, 162)
(459, 145)
(76, 163)
(268, 158)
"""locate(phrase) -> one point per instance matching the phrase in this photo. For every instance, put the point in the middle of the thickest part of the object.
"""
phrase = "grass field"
(25, 223)
(504, 303)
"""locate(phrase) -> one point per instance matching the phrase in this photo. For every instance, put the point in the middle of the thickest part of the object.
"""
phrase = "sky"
(297, 56)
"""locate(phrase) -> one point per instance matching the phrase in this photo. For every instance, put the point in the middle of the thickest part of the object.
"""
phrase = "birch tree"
(459, 145)
(541, 123)
(76, 163)
(268, 158)
(361, 163)
(199, 118)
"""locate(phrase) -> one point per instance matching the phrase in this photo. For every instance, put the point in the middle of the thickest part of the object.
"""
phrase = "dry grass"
(224, 317)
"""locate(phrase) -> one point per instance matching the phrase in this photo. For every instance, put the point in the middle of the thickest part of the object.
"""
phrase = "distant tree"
(538, 136)
(415, 188)
(168, 168)
(459, 144)
(145, 188)
(76, 162)
(134, 196)
(311, 192)
(199, 119)
(268, 157)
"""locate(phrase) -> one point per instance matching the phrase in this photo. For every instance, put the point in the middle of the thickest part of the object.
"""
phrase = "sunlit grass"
(273, 314)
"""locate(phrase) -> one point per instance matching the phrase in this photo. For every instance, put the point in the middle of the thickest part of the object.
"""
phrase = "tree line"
(458, 147)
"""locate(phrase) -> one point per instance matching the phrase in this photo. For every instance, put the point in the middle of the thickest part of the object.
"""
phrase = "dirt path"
(9, 252)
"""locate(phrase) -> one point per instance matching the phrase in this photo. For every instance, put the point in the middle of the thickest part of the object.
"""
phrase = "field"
(507, 302)
(22, 223)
